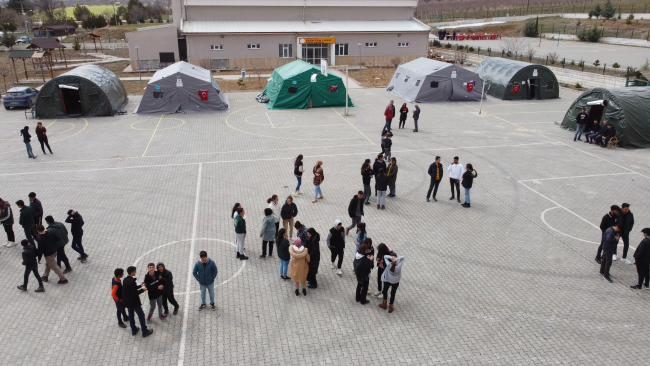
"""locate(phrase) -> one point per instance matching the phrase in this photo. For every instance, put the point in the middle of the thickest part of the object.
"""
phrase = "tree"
(552, 57)
(8, 27)
(530, 53)
(629, 19)
(4, 72)
(81, 12)
(113, 20)
(598, 11)
(16, 5)
(137, 14)
(76, 45)
(93, 22)
(133, 3)
(47, 7)
(589, 35)
(609, 11)
(530, 28)
(8, 40)
(512, 46)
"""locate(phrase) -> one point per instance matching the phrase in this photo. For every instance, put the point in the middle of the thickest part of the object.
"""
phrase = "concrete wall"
(151, 42)
(296, 13)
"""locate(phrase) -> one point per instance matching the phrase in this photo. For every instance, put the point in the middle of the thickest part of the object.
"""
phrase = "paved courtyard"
(511, 280)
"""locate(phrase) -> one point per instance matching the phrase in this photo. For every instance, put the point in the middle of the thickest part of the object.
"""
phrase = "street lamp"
(359, 59)
(22, 10)
(137, 52)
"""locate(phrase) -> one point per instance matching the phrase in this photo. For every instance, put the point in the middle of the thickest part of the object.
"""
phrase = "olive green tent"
(515, 80)
(299, 85)
(628, 109)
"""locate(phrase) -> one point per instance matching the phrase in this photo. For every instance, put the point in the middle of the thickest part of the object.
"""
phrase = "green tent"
(292, 87)
(628, 109)
(515, 80)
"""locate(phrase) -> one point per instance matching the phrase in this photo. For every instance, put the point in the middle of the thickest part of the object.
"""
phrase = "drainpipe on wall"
(304, 3)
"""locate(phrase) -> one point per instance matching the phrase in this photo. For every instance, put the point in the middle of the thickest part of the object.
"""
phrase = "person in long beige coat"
(299, 266)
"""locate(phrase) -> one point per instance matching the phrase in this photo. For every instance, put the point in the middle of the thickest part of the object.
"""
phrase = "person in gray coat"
(267, 233)
(416, 117)
(391, 278)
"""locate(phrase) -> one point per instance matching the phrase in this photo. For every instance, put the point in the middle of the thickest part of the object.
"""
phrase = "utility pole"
(137, 51)
(22, 10)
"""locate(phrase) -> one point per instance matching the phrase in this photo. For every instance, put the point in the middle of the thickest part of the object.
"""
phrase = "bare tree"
(205, 63)
(460, 57)
(530, 52)
(513, 46)
(395, 61)
(257, 71)
(553, 57)
(47, 7)
(4, 72)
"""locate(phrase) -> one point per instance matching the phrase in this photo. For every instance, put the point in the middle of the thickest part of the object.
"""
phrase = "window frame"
(256, 46)
(403, 44)
(338, 47)
(213, 47)
(371, 44)
(285, 49)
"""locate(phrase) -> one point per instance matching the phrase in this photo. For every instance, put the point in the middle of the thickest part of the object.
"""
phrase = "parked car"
(24, 39)
(20, 96)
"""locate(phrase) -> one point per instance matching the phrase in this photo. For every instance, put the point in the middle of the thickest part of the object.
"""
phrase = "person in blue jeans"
(468, 179)
(283, 253)
(205, 271)
(581, 121)
(26, 139)
(297, 171)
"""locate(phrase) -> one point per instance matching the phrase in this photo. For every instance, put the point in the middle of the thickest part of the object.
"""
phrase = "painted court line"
(152, 135)
(353, 126)
(558, 231)
(576, 176)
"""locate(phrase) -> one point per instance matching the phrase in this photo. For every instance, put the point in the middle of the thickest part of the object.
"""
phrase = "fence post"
(563, 62)
(553, 29)
(616, 32)
(564, 31)
(602, 33)
(632, 36)
(604, 66)
(583, 66)
(648, 36)
(546, 60)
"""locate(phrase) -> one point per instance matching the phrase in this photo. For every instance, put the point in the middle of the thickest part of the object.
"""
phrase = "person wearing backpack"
(468, 179)
(363, 264)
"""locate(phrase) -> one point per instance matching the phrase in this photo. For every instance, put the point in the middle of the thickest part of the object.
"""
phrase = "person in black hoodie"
(47, 247)
(627, 223)
(403, 113)
(378, 164)
(26, 139)
(76, 224)
(336, 244)
(468, 179)
(31, 266)
(155, 288)
(381, 185)
(355, 211)
(363, 264)
(609, 134)
(131, 298)
(167, 279)
(642, 259)
(610, 219)
(288, 212)
(313, 250)
(37, 208)
(366, 173)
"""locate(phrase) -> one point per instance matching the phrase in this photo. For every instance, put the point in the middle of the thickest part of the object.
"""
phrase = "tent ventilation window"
(550, 85)
(397, 75)
(417, 83)
(158, 95)
(293, 89)
(406, 79)
(434, 84)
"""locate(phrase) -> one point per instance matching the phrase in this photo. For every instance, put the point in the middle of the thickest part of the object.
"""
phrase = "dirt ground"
(373, 77)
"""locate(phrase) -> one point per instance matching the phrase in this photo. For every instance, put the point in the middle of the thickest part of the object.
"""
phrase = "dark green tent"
(292, 87)
(515, 80)
(628, 109)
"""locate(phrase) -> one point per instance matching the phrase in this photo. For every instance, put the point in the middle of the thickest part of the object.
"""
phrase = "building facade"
(252, 34)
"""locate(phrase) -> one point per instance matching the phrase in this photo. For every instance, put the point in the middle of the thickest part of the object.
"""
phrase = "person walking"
(468, 179)
(31, 266)
(435, 172)
(610, 219)
(382, 250)
(387, 145)
(155, 291)
(26, 220)
(131, 291)
(267, 232)
(381, 141)
(299, 267)
(297, 171)
(361, 234)
(355, 211)
(60, 231)
(318, 180)
(642, 261)
(288, 213)
(301, 231)
(363, 265)
(610, 241)
(416, 117)
(26, 139)
(403, 114)
(455, 174)
(117, 293)
(381, 185)
(283, 253)
(378, 164)
(47, 247)
(275, 207)
(392, 176)
(627, 223)
(7, 220)
(313, 249)
(240, 233)
(336, 244)
(581, 121)
(389, 113)
(366, 174)
(41, 134)
(205, 271)
(37, 208)
(166, 278)
(391, 278)
(76, 229)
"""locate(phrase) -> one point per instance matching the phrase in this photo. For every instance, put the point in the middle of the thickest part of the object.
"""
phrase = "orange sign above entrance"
(316, 40)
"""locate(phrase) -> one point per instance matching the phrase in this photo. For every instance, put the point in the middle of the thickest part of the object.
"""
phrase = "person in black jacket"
(37, 208)
(416, 117)
(366, 174)
(313, 249)
(363, 264)
(581, 121)
(288, 212)
(436, 173)
(131, 299)
(167, 279)
(609, 134)
(403, 114)
(155, 291)
(592, 132)
(31, 266)
(47, 247)
(598, 138)
(468, 179)
(336, 244)
(355, 211)
(26, 139)
(642, 259)
(387, 145)
(76, 224)
(627, 223)
(610, 219)
(610, 241)
(381, 186)
(378, 164)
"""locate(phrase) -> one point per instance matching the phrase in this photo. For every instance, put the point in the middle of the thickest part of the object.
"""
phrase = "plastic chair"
(615, 139)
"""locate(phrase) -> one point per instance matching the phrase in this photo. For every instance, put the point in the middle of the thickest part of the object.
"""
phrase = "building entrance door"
(313, 53)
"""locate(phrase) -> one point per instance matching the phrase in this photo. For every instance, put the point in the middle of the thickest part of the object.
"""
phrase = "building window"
(167, 57)
(286, 50)
(216, 47)
(402, 44)
(341, 49)
(254, 46)
(371, 44)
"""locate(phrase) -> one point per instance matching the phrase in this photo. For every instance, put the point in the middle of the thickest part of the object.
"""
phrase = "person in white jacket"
(455, 174)
(275, 207)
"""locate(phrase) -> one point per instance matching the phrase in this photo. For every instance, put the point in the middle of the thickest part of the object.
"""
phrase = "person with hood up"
(336, 244)
(283, 253)
(155, 290)
(391, 277)
(313, 249)
(31, 266)
(318, 180)
(26, 139)
(7, 220)
(288, 213)
(363, 265)
(167, 280)
(267, 232)
(205, 271)
(299, 267)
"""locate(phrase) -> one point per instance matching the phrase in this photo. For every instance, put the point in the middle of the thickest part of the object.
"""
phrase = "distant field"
(95, 9)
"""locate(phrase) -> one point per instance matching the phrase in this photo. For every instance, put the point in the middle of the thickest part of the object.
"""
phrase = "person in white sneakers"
(455, 174)
(336, 243)
(7, 219)
(627, 222)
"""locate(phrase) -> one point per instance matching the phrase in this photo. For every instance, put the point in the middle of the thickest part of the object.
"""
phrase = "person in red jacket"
(389, 113)
(41, 133)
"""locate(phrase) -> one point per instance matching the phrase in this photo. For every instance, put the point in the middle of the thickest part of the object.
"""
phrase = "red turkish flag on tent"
(515, 88)
(470, 86)
(204, 95)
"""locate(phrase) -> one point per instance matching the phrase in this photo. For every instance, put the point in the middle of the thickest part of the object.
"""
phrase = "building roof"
(21, 54)
(45, 43)
(144, 29)
(184, 68)
(83, 35)
(307, 3)
(54, 27)
(292, 26)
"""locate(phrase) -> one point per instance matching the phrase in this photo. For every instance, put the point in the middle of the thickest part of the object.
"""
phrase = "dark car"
(20, 96)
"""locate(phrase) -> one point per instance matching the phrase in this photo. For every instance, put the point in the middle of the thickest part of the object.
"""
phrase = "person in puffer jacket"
(363, 264)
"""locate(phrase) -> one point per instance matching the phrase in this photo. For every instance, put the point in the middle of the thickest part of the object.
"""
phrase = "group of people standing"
(41, 133)
(389, 114)
(456, 174)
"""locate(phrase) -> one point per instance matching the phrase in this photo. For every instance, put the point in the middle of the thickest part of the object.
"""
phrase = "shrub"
(552, 57)
(646, 65)
(596, 63)
(616, 65)
(448, 45)
(530, 28)
(573, 63)
(471, 49)
(241, 82)
(578, 86)
(76, 45)
(629, 19)
(589, 35)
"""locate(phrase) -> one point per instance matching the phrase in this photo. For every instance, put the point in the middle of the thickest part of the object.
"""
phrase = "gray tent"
(515, 80)
(88, 90)
(182, 86)
(628, 109)
(425, 80)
